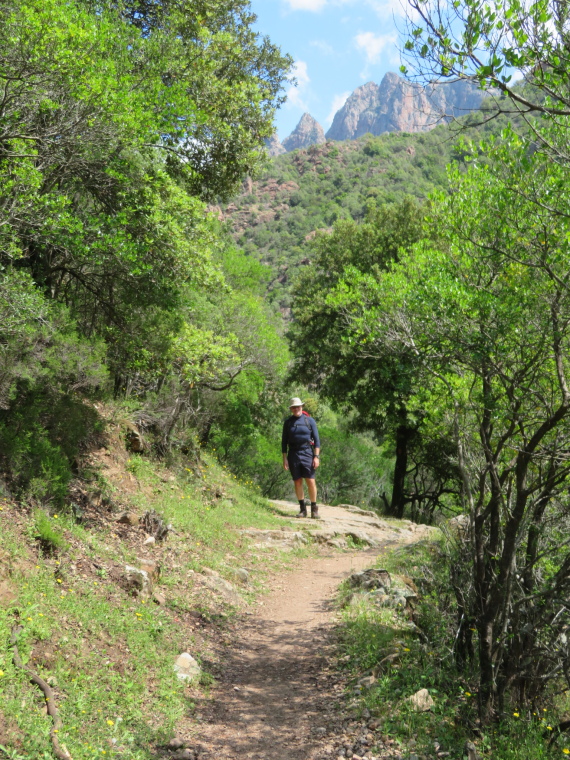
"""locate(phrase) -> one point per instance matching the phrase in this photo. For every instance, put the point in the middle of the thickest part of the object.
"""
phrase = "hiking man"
(301, 436)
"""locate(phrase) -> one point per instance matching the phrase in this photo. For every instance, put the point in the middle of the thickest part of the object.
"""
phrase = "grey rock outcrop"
(274, 147)
(307, 132)
(396, 105)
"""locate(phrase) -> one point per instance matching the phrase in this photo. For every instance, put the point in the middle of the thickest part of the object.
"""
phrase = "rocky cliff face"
(396, 105)
(274, 147)
(307, 132)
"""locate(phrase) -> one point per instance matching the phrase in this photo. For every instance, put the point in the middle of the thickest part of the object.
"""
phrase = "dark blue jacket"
(298, 433)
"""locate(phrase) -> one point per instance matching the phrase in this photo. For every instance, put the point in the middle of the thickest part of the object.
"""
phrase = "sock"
(313, 504)
(302, 505)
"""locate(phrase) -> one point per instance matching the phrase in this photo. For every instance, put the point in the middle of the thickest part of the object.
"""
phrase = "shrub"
(50, 539)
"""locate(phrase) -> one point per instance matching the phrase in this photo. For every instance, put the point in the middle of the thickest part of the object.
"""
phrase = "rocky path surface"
(277, 697)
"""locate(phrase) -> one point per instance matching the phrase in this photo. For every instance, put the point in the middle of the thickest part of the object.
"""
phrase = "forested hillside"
(300, 193)
(426, 290)
(117, 125)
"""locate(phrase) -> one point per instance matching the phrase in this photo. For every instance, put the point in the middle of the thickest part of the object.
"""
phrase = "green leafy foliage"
(49, 537)
(345, 369)
(119, 121)
(483, 313)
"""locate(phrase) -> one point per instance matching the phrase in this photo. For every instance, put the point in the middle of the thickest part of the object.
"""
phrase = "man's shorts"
(301, 464)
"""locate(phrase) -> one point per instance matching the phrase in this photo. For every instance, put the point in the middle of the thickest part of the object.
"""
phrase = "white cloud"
(323, 47)
(389, 8)
(315, 5)
(296, 94)
(373, 45)
(306, 5)
(338, 102)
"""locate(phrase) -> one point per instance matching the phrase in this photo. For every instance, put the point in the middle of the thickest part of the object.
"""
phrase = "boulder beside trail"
(371, 579)
(186, 668)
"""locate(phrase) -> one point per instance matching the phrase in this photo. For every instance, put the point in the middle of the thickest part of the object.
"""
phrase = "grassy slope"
(368, 634)
(109, 655)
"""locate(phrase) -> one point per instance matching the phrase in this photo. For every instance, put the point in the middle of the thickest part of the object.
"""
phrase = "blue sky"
(337, 46)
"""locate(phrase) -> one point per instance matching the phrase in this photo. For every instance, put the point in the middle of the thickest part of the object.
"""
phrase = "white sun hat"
(295, 402)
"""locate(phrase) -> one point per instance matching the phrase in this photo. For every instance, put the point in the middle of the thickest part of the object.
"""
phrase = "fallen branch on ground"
(60, 750)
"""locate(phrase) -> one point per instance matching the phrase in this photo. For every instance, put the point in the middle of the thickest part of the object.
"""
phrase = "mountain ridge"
(394, 105)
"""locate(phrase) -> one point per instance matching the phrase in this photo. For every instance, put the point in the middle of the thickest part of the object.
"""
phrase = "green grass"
(366, 635)
(50, 538)
(110, 654)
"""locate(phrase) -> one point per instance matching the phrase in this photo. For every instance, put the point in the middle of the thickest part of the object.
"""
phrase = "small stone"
(223, 587)
(242, 574)
(471, 751)
(151, 567)
(159, 598)
(128, 518)
(176, 743)
(366, 683)
(186, 668)
(138, 582)
(421, 701)
(149, 540)
(184, 754)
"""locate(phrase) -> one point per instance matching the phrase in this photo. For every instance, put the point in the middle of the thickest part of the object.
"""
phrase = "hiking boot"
(315, 512)
(302, 512)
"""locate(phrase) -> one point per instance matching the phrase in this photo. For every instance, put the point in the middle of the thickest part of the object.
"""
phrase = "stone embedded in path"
(186, 668)
(278, 539)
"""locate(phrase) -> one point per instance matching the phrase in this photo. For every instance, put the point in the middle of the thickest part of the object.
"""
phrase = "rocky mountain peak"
(396, 105)
(307, 132)
(273, 146)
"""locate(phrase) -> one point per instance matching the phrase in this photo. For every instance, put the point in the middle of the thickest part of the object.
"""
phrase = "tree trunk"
(403, 435)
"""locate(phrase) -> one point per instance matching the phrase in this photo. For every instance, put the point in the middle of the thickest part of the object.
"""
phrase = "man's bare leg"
(312, 488)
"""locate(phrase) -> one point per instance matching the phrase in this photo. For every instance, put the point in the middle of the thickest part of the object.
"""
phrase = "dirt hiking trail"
(276, 695)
